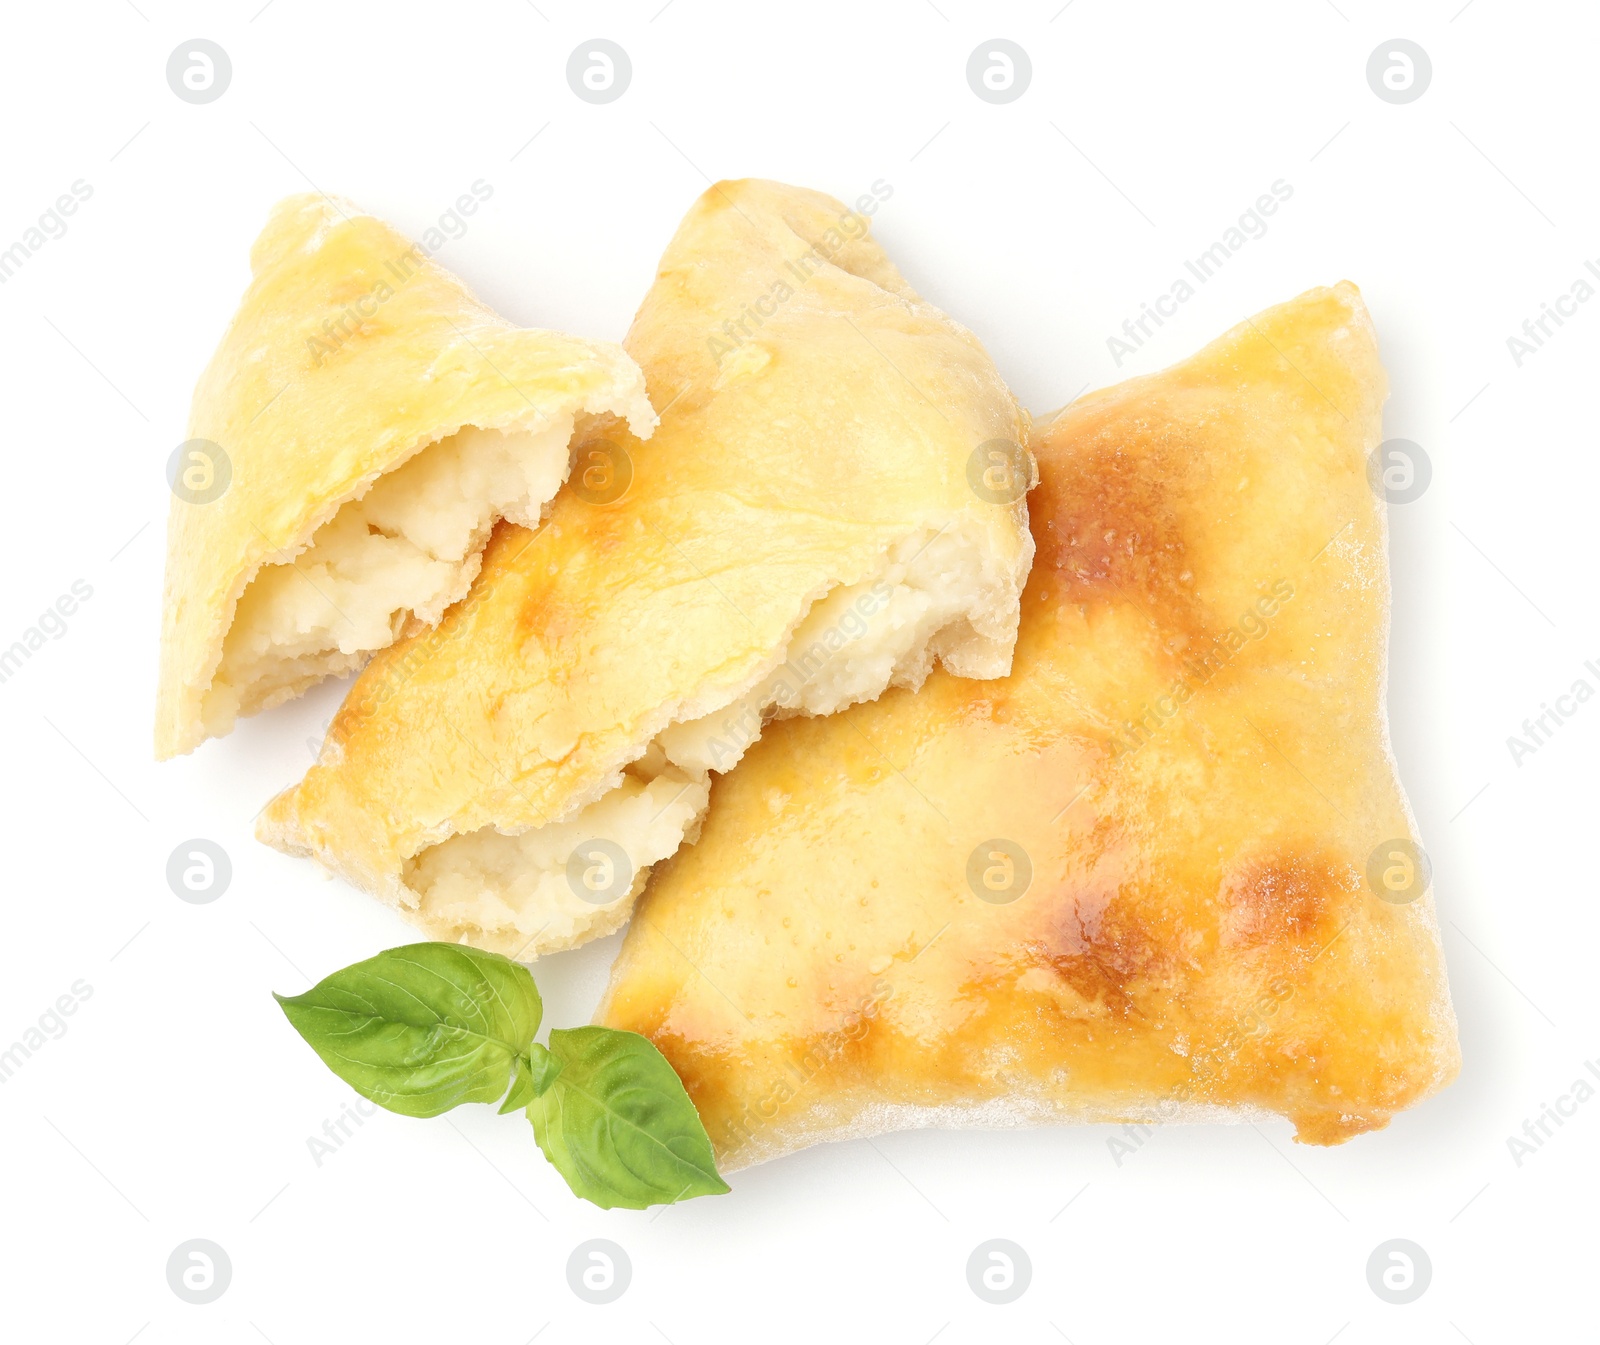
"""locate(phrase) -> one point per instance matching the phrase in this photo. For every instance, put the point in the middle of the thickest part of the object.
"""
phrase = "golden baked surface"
(790, 457)
(350, 352)
(1191, 752)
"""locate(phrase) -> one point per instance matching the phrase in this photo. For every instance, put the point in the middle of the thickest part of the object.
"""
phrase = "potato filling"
(406, 549)
(555, 881)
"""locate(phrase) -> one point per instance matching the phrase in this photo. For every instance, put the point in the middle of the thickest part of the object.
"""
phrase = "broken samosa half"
(1164, 871)
(834, 500)
(359, 431)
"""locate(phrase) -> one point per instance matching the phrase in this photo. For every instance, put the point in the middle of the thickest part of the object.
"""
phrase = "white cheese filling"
(407, 549)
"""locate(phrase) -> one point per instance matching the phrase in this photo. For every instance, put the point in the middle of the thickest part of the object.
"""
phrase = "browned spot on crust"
(1276, 902)
(1098, 942)
(1106, 530)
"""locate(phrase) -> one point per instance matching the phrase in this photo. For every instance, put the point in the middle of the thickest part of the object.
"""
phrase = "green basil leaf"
(618, 1125)
(536, 1071)
(422, 1028)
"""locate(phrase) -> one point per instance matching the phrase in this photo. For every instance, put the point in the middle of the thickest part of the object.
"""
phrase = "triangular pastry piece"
(832, 502)
(361, 427)
(1162, 871)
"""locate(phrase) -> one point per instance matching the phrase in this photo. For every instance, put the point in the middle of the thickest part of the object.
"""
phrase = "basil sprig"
(426, 1027)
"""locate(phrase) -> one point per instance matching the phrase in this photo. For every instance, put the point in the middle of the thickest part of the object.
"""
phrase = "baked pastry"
(361, 427)
(832, 502)
(1163, 871)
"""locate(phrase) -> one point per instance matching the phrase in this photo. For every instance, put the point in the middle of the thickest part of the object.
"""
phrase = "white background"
(178, 1104)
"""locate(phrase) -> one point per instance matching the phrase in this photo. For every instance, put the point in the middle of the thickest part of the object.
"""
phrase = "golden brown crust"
(350, 352)
(793, 453)
(1191, 751)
